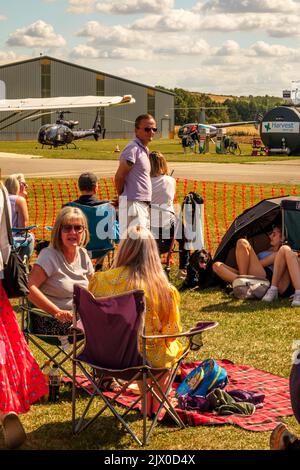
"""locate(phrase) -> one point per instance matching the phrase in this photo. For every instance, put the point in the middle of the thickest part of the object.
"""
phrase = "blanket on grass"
(276, 403)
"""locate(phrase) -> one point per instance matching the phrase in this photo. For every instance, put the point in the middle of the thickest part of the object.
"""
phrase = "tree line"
(188, 107)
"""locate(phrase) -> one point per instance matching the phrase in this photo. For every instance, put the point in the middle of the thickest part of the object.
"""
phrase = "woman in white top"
(162, 208)
(64, 263)
(21, 381)
(20, 217)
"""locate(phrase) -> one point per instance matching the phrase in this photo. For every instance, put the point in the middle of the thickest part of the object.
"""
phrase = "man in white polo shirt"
(132, 178)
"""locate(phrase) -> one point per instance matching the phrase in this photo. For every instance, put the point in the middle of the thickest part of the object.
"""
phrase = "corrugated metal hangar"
(45, 77)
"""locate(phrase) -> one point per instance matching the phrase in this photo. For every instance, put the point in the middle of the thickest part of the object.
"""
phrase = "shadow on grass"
(238, 307)
(104, 433)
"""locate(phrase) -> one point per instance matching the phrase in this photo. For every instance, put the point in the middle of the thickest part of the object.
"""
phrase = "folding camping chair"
(188, 230)
(114, 329)
(21, 241)
(103, 229)
(57, 348)
(291, 222)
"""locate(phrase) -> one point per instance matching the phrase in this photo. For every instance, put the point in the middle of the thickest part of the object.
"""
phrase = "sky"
(227, 47)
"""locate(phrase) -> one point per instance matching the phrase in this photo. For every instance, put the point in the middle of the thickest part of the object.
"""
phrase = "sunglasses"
(67, 228)
(149, 129)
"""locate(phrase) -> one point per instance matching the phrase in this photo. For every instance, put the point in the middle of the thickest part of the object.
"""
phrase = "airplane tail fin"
(258, 118)
(97, 126)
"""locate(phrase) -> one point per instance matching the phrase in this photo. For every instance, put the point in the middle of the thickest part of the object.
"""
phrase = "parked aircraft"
(186, 128)
(62, 131)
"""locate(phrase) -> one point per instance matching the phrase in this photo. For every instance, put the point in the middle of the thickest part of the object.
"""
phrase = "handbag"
(250, 287)
(15, 282)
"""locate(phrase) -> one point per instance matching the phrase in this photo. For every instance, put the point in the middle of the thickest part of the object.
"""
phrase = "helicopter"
(62, 131)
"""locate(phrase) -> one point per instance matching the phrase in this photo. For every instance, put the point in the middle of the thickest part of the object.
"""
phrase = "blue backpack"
(203, 379)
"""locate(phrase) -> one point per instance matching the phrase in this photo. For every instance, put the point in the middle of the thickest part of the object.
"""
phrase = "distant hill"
(221, 98)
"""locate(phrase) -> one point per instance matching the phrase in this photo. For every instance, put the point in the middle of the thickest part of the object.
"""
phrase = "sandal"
(109, 384)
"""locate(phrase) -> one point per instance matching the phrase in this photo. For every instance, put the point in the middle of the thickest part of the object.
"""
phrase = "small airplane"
(186, 128)
(62, 132)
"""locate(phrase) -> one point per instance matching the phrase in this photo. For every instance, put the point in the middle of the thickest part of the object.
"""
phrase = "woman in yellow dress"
(137, 266)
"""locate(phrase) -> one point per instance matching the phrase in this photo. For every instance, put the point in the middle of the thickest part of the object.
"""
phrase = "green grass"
(249, 333)
(104, 150)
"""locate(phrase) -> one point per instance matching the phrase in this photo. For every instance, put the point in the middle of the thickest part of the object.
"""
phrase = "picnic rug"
(276, 403)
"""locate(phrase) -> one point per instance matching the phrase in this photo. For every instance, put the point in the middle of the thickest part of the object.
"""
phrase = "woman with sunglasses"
(64, 263)
(259, 265)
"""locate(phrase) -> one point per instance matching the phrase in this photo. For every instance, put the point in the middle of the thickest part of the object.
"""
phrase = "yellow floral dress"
(160, 352)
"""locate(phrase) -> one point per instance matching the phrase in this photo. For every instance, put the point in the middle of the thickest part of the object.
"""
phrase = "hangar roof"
(85, 68)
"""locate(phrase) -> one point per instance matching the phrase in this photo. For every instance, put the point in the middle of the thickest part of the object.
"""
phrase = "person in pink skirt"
(21, 380)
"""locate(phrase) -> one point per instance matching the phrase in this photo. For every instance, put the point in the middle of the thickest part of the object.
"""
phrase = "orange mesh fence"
(223, 202)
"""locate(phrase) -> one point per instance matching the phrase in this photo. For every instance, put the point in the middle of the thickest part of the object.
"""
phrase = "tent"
(253, 224)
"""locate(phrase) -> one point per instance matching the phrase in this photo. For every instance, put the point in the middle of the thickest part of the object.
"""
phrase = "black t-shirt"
(90, 200)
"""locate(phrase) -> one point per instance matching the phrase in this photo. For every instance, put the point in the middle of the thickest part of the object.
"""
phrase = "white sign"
(280, 126)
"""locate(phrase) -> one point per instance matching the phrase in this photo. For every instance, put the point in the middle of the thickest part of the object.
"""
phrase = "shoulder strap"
(8, 225)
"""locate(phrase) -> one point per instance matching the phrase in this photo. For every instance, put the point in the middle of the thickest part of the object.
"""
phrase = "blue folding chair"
(103, 228)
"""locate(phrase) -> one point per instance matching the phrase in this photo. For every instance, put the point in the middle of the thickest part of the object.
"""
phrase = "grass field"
(104, 150)
(249, 333)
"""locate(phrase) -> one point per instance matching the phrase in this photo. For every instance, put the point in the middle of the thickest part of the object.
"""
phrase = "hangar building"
(45, 76)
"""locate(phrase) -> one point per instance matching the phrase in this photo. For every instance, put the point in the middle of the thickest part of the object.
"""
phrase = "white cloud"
(9, 56)
(229, 48)
(184, 47)
(263, 49)
(81, 6)
(246, 6)
(3, 18)
(120, 53)
(275, 24)
(117, 35)
(38, 34)
(127, 7)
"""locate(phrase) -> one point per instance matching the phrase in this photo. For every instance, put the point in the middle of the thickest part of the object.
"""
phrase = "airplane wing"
(60, 102)
(232, 124)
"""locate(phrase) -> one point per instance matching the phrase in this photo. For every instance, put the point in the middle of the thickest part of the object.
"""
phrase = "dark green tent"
(253, 224)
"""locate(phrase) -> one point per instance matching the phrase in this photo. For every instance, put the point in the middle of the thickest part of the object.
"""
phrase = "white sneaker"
(14, 434)
(296, 301)
(270, 295)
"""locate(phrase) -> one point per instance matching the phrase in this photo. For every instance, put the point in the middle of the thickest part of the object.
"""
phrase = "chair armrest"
(196, 330)
(23, 229)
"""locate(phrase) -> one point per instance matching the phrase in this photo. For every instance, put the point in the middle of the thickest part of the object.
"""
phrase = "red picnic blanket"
(276, 403)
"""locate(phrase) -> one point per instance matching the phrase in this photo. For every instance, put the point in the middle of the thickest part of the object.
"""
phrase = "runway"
(284, 172)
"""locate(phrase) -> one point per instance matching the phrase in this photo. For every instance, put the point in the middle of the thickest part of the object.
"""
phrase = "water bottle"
(54, 383)
(46, 371)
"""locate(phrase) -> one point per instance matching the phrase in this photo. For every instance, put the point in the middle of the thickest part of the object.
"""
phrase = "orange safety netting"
(223, 202)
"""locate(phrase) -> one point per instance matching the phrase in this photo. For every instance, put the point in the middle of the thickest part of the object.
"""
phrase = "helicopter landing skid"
(72, 148)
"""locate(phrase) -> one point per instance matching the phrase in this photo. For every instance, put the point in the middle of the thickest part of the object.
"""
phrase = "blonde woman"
(20, 217)
(23, 185)
(18, 203)
(64, 263)
(137, 266)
